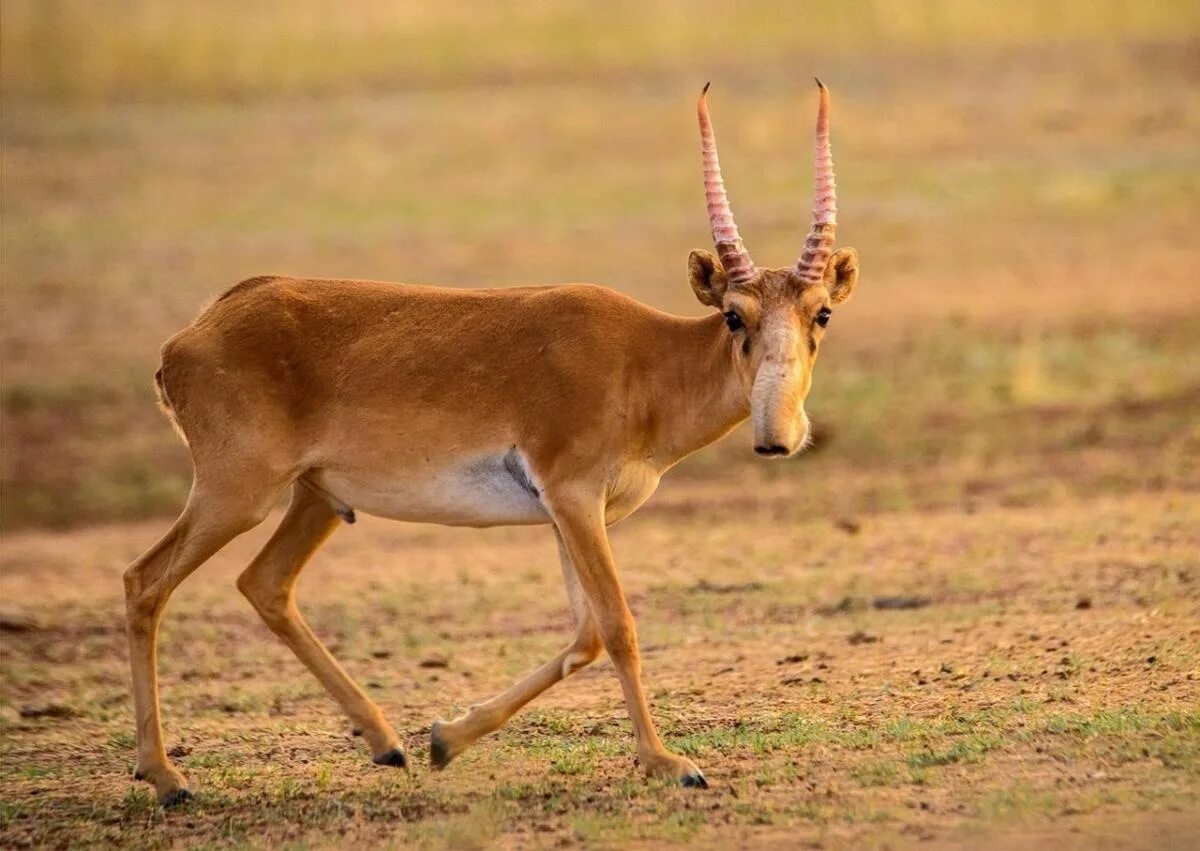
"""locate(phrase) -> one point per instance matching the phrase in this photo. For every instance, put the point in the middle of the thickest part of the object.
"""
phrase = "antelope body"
(555, 405)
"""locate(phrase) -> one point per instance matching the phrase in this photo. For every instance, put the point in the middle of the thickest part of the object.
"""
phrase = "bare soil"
(1039, 688)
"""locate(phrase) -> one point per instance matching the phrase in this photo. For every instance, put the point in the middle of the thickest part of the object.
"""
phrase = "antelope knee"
(142, 605)
(271, 606)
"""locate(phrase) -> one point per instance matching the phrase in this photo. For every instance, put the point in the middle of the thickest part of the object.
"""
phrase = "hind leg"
(269, 583)
(209, 521)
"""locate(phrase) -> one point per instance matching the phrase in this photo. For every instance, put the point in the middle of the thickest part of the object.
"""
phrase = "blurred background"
(1020, 179)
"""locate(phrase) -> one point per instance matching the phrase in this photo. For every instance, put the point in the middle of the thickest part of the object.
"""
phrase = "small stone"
(849, 525)
(901, 602)
(12, 620)
(1083, 603)
(846, 604)
(435, 662)
(48, 710)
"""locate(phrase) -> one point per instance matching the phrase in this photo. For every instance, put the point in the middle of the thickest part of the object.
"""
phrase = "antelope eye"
(734, 321)
(823, 316)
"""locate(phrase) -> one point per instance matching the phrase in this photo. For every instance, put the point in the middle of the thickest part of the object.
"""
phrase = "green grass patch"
(786, 731)
(1019, 802)
(876, 773)
(672, 827)
(966, 752)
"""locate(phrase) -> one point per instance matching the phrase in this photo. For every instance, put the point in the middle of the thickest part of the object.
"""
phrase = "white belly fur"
(482, 492)
(496, 490)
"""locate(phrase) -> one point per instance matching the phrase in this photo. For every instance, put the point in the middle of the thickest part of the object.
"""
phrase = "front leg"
(580, 524)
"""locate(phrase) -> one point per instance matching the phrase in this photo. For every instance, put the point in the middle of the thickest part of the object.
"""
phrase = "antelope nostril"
(772, 449)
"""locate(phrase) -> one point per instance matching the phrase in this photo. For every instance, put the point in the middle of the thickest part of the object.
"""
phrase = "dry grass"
(1007, 413)
(57, 49)
(1025, 197)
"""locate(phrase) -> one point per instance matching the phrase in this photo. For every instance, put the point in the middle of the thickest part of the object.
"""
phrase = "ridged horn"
(734, 256)
(818, 247)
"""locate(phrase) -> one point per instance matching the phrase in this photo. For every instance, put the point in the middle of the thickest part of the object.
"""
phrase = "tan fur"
(557, 405)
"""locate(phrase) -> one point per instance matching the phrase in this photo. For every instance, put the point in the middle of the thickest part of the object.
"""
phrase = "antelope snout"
(783, 440)
(777, 407)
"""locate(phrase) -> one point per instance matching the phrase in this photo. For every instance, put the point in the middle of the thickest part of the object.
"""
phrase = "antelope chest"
(635, 483)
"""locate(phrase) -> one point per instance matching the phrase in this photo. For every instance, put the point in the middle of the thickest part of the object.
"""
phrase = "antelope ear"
(707, 277)
(841, 274)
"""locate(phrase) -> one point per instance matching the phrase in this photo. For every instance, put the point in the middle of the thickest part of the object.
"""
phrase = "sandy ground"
(1043, 691)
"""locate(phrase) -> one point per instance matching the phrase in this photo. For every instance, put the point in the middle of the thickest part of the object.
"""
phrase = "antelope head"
(776, 317)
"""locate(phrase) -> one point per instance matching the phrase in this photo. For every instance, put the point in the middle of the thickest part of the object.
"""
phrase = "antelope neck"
(694, 396)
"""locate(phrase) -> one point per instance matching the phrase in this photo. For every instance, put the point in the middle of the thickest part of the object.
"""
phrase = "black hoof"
(694, 781)
(174, 799)
(439, 754)
(395, 757)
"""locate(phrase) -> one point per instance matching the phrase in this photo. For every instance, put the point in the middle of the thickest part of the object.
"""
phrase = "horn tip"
(820, 85)
(704, 90)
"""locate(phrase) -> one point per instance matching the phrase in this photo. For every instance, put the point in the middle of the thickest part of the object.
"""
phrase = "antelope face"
(777, 316)
(776, 322)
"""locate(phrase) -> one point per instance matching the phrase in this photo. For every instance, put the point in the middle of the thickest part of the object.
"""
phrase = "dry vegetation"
(1007, 416)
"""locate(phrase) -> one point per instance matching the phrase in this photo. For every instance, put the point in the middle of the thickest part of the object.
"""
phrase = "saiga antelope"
(556, 405)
